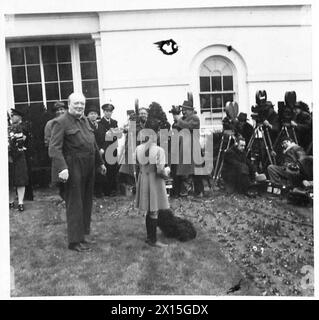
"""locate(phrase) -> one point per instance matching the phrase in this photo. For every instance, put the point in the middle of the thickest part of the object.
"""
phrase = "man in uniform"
(105, 130)
(75, 156)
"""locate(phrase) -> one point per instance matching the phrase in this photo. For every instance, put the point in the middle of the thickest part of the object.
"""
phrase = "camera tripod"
(285, 132)
(260, 130)
(229, 135)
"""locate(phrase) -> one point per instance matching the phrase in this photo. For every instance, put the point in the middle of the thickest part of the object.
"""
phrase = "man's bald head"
(76, 103)
(76, 96)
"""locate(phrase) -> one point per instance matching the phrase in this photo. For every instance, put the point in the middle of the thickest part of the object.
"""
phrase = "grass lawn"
(265, 242)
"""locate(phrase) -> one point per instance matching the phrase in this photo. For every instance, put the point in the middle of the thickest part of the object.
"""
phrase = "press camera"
(286, 108)
(175, 110)
(261, 109)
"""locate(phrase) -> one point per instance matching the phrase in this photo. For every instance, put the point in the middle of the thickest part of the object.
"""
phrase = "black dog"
(175, 227)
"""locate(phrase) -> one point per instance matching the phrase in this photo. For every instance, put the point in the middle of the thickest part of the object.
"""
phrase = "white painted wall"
(269, 53)
(271, 48)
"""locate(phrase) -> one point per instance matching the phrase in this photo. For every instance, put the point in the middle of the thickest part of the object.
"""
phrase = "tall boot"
(151, 226)
(148, 228)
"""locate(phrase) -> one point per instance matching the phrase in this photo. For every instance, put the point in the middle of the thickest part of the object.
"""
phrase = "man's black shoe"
(79, 247)
(88, 241)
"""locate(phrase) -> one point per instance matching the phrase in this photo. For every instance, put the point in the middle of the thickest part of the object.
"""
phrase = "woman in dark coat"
(18, 170)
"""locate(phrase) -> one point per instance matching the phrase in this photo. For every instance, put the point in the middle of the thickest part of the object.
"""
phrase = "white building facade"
(225, 53)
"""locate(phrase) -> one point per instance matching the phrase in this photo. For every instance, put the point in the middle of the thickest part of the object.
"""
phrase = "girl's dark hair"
(156, 114)
(153, 124)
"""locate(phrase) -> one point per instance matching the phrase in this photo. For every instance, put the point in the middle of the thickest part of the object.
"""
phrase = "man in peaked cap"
(105, 129)
(15, 112)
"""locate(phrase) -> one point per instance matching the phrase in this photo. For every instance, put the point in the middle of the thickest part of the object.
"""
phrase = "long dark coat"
(237, 169)
(191, 122)
(103, 127)
(18, 170)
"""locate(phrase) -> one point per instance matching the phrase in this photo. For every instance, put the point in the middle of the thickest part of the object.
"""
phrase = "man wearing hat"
(288, 173)
(191, 122)
(244, 128)
(104, 140)
(238, 172)
(271, 120)
(302, 123)
(92, 114)
(59, 108)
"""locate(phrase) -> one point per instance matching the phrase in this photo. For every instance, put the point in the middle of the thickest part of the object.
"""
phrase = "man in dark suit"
(288, 174)
(244, 128)
(105, 138)
(75, 156)
(238, 172)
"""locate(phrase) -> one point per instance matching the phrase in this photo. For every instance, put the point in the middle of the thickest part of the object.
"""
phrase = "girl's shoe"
(11, 205)
(21, 207)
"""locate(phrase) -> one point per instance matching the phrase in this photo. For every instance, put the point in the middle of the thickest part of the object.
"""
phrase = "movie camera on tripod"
(286, 115)
(260, 113)
(229, 136)
(261, 109)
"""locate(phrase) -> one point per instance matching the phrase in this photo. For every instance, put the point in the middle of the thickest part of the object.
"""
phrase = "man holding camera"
(302, 124)
(271, 121)
(238, 172)
(288, 174)
(189, 121)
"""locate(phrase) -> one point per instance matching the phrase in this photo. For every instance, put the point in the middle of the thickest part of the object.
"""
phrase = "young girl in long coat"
(151, 193)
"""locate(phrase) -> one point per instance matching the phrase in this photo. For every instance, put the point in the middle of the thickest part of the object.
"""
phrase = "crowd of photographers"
(276, 151)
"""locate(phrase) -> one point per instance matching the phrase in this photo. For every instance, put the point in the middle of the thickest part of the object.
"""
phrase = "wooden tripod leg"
(295, 136)
(222, 162)
(251, 141)
(266, 146)
(270, 145)
(218, 157)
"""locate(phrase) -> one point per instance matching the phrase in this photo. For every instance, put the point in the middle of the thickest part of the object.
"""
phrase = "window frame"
(75, 63)
(216, 117)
